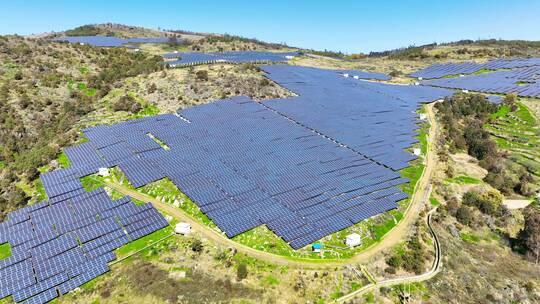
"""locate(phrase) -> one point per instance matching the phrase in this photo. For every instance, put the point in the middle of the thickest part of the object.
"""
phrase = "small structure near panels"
(182, 228)
(353, 240)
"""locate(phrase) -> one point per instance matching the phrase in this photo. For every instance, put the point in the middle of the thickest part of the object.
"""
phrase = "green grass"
(270, 280)
(63, 160)
(469, 238)
(482, 71)
(143, 242)
(369, 298)
(2, 164)
(41, 195)
(464, 180)
(150, 110)
(518, 133)
(5, 251)
(434, 202)
(503, 110)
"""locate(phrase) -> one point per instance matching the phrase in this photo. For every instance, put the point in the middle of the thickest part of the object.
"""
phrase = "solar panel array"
(187, 59)
(521, 81)
(68, 240)
(105, 41)
(364, 75)
(449, 69)
(306, 167)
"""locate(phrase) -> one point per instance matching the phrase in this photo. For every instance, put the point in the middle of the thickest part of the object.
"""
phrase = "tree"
(201, 75)
(510, 99)
(529, 236)
(394, 261)
(242, 272)
(464, 215)
(488, 202)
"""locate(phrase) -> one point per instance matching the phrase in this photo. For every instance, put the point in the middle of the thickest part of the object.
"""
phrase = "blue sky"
(348, 26)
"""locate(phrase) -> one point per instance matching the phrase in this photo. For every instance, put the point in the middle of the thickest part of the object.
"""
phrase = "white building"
(417, 151)
(182, 228)
(104, 172)
(345, 75)
(423, 116)
(356, 77)
(353, 239)
(289, 57)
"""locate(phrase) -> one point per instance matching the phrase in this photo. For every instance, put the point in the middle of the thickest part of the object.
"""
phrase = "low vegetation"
(465, 118)
(46, 89)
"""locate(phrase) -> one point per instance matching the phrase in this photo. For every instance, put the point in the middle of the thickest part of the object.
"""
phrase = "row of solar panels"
(449, 69)
(185, 59)
(106, 41)
(59, 245)
(523, 82)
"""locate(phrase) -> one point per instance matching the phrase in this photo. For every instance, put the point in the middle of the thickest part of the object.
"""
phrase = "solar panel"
(186, 59)
(106, 41)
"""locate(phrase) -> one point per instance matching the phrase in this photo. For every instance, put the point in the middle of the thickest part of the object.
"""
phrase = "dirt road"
(435, 268)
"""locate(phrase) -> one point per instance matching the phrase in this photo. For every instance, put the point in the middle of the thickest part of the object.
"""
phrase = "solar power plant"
(305, 167)
(227, 57)
(521, 81)
(60, 244)
(105, 41)
(449, 69)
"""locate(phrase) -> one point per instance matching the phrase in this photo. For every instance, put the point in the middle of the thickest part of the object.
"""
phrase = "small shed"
(356, 77)
(346, 75)
(417, 151)
(353, 239)
(423, 116)
(316, 247)
(182, 228)
(104, 172)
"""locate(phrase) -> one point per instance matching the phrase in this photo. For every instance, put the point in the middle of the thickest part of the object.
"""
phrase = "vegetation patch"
(147, 278)
(5, 251)
(143, 242)
(464, 180)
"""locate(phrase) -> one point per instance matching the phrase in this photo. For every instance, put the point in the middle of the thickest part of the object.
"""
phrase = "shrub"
(127, 103)
(196, 245)
(201, 75)
(241, 272)
(464, 215)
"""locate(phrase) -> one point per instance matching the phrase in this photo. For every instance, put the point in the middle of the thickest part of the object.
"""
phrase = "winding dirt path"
(392, 238)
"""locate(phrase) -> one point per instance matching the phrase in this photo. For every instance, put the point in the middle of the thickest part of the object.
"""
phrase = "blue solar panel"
(185, 59)
(52, 243)
(106, 41)
(521, 81)
(449, 69)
